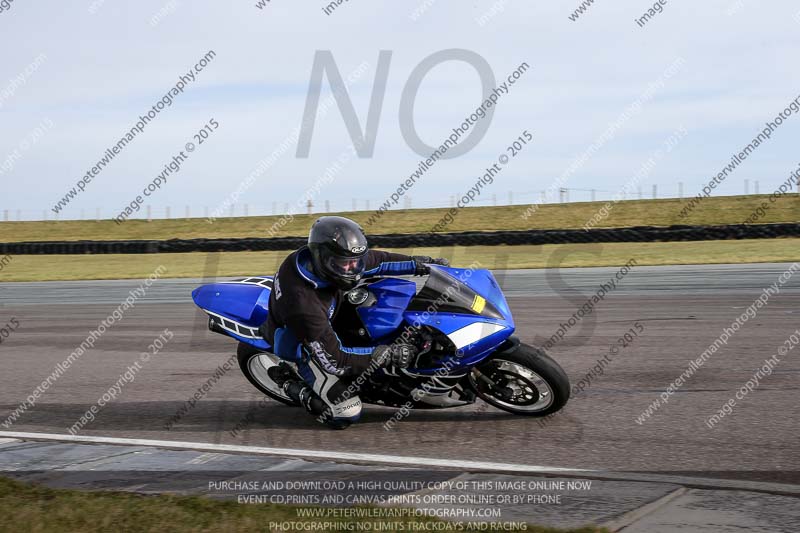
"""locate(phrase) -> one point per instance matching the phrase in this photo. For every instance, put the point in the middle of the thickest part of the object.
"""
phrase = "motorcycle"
(459, 320)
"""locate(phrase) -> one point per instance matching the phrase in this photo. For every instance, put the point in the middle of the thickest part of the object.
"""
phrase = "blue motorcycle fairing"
(239, 307)
(386, 314)
(475, 336)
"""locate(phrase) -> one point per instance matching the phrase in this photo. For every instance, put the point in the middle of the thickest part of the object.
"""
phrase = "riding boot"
(303, 394)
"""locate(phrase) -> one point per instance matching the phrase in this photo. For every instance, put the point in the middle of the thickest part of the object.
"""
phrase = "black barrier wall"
(469, 238)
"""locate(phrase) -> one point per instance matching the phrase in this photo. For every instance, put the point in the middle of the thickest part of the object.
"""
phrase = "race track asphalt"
(682, 309)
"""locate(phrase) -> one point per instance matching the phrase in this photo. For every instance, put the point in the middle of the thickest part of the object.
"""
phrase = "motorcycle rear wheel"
(525, 381)
(254, 364)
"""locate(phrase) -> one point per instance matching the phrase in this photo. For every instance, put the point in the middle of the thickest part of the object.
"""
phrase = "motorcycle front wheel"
(525, 381)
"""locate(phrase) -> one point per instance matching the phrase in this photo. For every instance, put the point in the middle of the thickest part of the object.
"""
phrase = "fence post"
(655, 191)
(166, 213)
(680, 189)
(747, 186)
(149, 213)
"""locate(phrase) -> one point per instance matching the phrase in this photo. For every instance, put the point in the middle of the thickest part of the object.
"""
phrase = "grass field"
(722, 210)
(202, 265)
(719, 210)
(25, 507)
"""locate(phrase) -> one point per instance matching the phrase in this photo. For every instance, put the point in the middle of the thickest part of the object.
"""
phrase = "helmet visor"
(346, 267)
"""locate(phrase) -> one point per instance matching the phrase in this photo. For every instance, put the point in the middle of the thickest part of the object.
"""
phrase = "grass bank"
(25, 507)
(714, 210)
(200, 265)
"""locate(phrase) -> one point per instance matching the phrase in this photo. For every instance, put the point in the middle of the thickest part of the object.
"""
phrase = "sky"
(76, 75)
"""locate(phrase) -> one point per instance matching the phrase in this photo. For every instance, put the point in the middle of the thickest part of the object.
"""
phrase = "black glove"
(422, 262)
(399, 355)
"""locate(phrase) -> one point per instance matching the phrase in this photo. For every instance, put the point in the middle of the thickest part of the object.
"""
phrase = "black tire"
(246, 355)
(535, 360)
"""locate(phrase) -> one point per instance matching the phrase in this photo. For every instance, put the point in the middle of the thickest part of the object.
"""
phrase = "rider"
(307, 288)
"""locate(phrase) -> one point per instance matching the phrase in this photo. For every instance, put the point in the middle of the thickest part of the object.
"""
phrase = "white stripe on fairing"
(315, 454)
(473, 333)
(226, 328)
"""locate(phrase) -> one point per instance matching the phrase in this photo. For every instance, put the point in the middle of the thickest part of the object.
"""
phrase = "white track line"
(411, 461)
(316, 454)
(631, 517)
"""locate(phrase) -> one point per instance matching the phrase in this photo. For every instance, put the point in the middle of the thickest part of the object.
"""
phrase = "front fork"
(502, 392)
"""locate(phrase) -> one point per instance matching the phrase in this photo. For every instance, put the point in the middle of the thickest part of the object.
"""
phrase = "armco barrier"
(469, 238)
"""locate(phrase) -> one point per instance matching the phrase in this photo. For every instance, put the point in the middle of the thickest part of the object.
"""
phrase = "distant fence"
(522, 199)
(469, 238)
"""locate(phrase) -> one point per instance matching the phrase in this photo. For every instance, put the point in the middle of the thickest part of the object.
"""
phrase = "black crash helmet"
(338, 249)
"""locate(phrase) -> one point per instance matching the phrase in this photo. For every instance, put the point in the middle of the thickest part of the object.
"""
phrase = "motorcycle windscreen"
(463, 291)
(483, 283)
